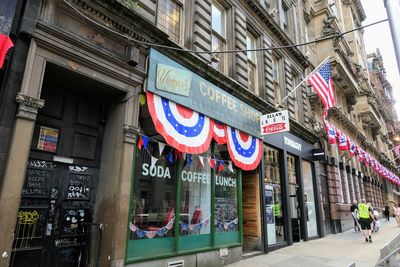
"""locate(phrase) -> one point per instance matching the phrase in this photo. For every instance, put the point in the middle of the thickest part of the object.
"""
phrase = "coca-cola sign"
(275, 122)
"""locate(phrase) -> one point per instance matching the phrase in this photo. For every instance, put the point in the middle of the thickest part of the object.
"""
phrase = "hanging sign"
(275, 122)
(47, 139)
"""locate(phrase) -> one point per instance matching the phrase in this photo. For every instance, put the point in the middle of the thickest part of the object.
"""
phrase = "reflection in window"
(154, 194)
(195, 198)
(218, 37)
(226, 205)
(252, 63)
(273, 197)
(169, 18)
(309, 199)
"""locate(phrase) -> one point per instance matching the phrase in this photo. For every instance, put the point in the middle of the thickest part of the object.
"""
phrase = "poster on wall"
(47, 139)
(276, 122)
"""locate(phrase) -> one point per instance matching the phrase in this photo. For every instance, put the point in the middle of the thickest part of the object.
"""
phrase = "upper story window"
(298, 98)
(169, 18)
(276, 77)
(218, 38)
(252, 63)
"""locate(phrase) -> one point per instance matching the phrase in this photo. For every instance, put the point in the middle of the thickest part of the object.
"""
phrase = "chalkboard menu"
(37, 179)
(78, 186)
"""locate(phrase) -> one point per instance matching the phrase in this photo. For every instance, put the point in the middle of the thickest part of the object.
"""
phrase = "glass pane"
(250, 45)
(217, 22)
(217, 44)
(169, 18)
(273, 197)
(154, 194)
(293, 198)
(226, 200)
(195, 198)
(309, 199)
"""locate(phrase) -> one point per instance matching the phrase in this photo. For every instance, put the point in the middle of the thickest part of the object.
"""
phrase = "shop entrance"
(294, 191)
(58, 197)
(252, 240)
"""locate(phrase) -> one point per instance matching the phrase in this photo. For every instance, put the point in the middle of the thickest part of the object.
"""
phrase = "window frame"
(180, 4)
(216, 240)
(220, 37)
(252, 60)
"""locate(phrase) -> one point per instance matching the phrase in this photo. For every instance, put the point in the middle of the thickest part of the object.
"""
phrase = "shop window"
(195, 199)
(226, 198)
(218, 38)
(169, 18)
(154, 194)
(309, 199)
(157, 224)
(273, 197)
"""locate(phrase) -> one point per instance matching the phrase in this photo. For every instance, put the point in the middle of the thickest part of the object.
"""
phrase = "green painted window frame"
(182, 245)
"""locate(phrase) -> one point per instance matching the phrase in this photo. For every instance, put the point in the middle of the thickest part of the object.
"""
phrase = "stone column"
(14, 174)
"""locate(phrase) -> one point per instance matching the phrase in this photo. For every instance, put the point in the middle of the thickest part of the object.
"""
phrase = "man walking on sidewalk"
(354, 211)
(365, 214)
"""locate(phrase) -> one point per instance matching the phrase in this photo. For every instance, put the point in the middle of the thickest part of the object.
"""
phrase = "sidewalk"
(338, 250)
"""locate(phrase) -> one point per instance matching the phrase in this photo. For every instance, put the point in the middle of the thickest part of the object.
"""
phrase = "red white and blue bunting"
(182, 128)
(191, 132)
(335, 135)
(245, 150)
(162, 231)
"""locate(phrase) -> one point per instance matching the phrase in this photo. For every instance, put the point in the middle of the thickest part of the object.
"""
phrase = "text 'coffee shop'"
(186, 187)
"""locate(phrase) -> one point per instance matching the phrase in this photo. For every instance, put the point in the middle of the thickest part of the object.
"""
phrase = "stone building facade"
(93, 175)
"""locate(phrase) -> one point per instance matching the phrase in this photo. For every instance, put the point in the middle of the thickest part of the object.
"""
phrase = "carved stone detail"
(131, 134)
(28, 106)
(329, 28)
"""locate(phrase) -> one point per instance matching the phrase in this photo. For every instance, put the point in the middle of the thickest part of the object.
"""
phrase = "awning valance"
(191, 132)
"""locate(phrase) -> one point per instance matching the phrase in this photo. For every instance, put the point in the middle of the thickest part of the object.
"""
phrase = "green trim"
(240, 205)
(224, 238)
(192, 242)
(149, 247)
(212, 195)
(178, 204)
(135, 152)
(188, 252)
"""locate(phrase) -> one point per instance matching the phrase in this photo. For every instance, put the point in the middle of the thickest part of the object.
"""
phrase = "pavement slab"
(334, 250)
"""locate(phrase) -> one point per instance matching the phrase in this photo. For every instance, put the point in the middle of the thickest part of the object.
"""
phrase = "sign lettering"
(292, 143)
(173, 80)
(274, 122)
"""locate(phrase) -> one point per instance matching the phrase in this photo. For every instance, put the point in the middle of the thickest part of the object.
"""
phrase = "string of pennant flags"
(337, 136)
(173, 155)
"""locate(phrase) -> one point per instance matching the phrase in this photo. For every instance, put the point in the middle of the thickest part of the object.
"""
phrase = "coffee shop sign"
(274, 122)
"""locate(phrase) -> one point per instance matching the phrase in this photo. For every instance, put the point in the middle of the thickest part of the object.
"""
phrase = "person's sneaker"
(366, 239)
(370, 239)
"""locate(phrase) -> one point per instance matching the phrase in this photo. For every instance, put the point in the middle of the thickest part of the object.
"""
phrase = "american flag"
(322, 83)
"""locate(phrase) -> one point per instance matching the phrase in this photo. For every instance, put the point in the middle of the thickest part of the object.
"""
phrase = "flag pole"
(306, 78)
(391, 149)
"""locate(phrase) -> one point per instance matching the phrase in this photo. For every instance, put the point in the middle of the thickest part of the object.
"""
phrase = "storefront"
(186, 196)
(290, 191)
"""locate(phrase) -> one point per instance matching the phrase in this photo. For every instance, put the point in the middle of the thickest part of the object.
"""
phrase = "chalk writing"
(78, 168)
(78, 187)
(41, 164)
(65, 241)
(34, 192)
